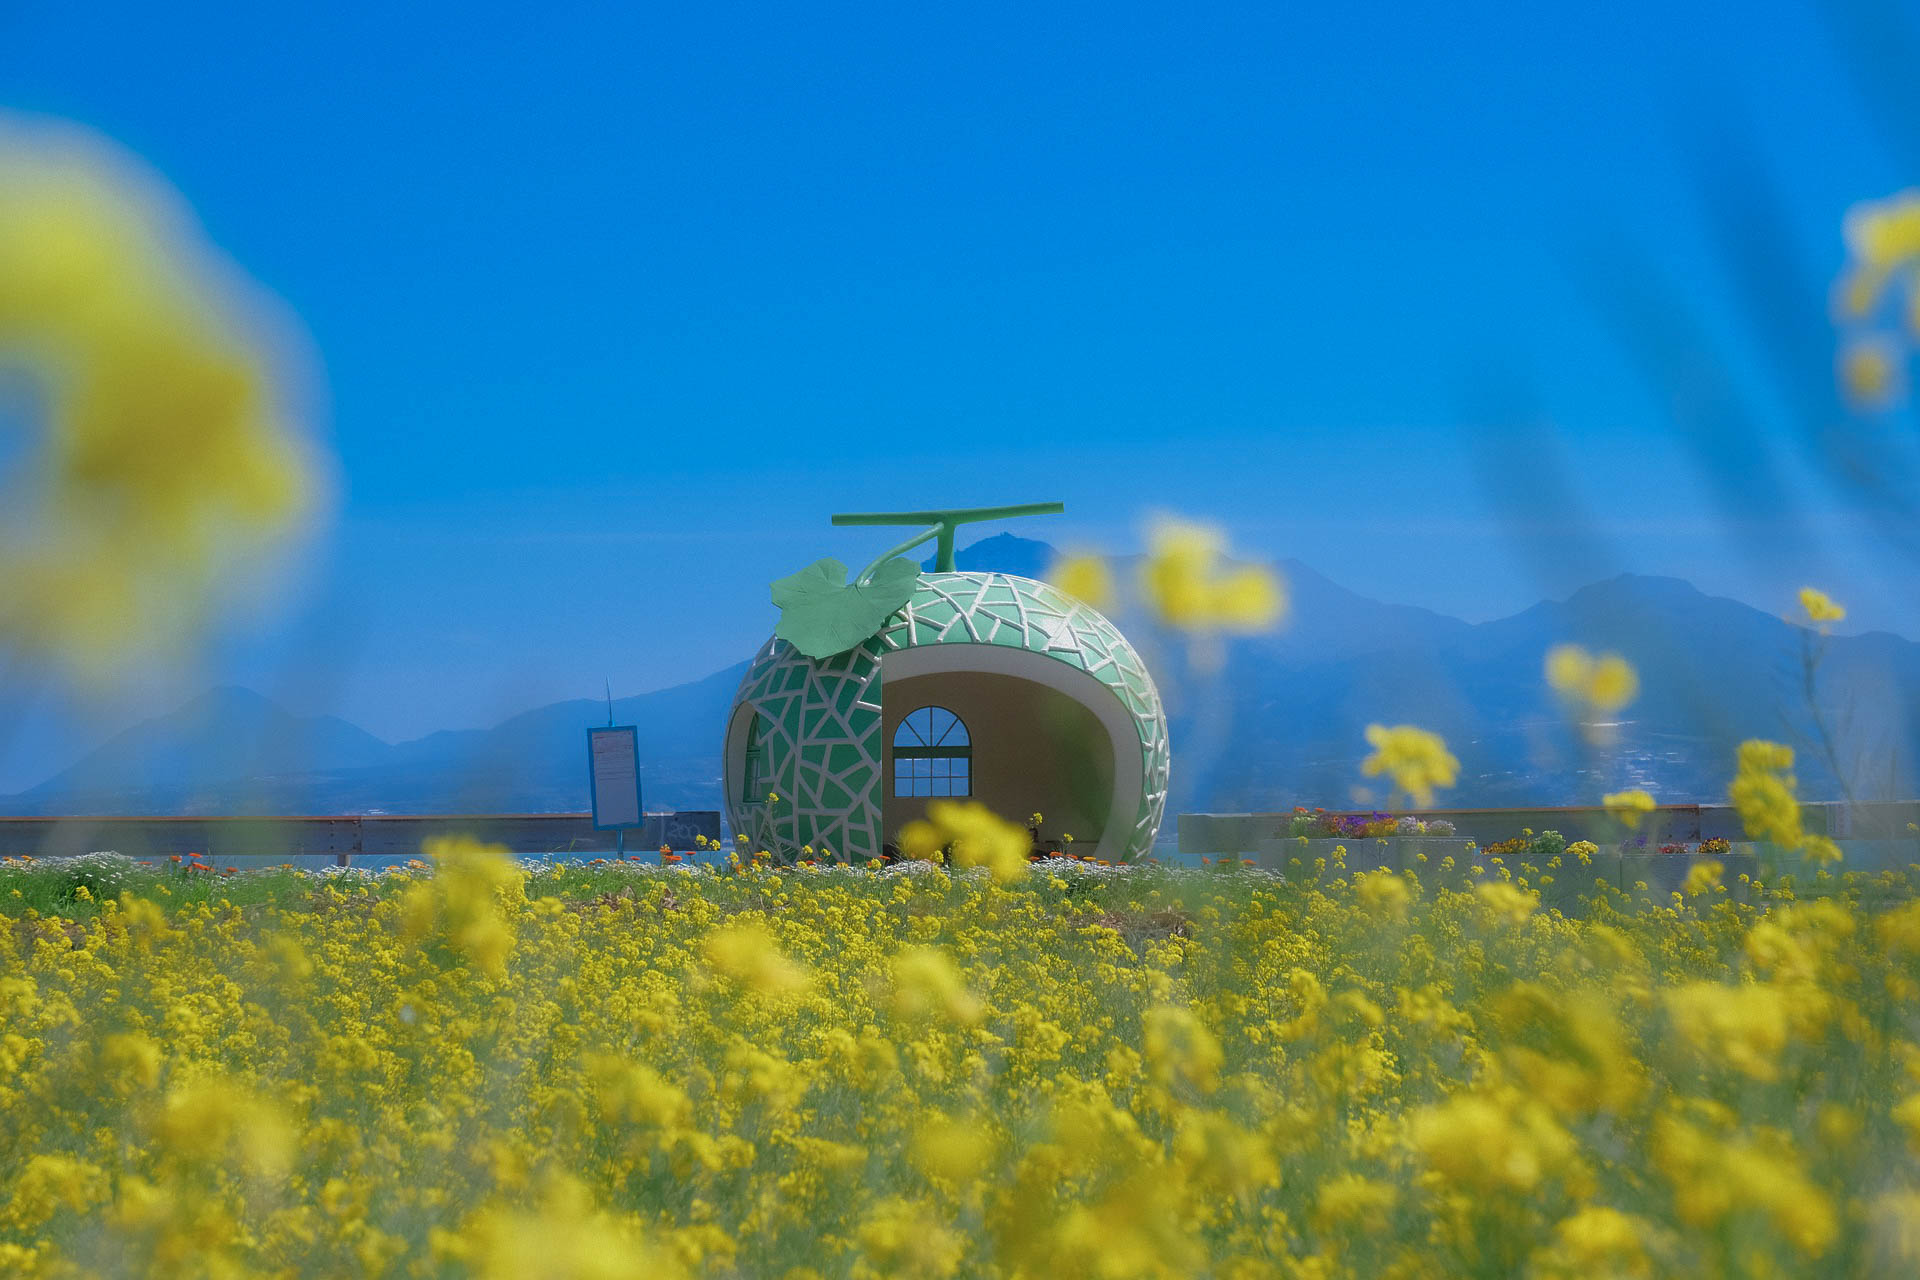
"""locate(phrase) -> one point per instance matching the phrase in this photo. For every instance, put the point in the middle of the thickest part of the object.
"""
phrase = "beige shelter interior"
(1033, 749)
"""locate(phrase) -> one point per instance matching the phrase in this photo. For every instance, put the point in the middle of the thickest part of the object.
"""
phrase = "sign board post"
(613, 759)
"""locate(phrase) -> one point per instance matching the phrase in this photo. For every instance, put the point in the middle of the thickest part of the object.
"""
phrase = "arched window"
(755, 777)
(932, 755)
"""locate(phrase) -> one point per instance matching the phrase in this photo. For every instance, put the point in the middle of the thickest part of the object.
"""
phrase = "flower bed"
(644, 1070)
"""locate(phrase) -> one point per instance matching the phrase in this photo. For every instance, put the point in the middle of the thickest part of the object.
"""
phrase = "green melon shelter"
(876, 697)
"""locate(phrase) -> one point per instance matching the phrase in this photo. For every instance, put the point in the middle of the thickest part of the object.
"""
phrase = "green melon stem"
(941, 531)
(940, 525)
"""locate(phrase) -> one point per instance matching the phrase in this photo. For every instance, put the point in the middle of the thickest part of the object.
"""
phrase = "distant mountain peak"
(1641, 584)
(1003, 553)
(231, 695)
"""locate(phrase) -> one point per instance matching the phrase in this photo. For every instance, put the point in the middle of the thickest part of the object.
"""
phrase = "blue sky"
(611, 306)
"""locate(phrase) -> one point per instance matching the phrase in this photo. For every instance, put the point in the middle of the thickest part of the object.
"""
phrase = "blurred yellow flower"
(1382, 893)
(213, 1120)
(978, 837)
(1883, 235)
(1820, 607)
(460, 904)
(561, 1238)
(1743, 1027)
(950, 1149)
(1187, 584)
(1870, 372)
(1417, 760)
(1703, 877)
(1628, 806)
(910, 1240)
(168, 462)
(1490, 1143)
(49, 1183)
(1601, 683)
(1084, 577)
(1506, 902)
(925, 983)
(748, 954)
(1762, 791)
(1179, 1048)
(1712, 1177)
(132, 1057)
(1883, 246)
(1599, 1241)
(1352, 1200)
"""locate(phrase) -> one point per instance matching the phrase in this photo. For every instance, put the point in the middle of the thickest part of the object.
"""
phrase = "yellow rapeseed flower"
(1084, 577)
(1178, 1047)
(978, 837)
(561, 1238)
(1505, 902)
(1743, 1027)
(460, 904)
(910, 1239)
(1762, 792)
(1884, 235)
(1870, 372)
(1820, 607)
(748, 954)
(1628, 806)
(168, 461)
(212, 1120)
(952, 1149)
(1352, 1201)
(1417, 760)
(1703, 877)
(1187, 584)
(1883, 244)
(1599, 1241)
(925, 983)
(1592, 683)
(1490, 1143)
(1382, 893)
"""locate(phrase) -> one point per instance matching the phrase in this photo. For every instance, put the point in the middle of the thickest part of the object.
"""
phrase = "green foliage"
(1547, 845)
(822, 614)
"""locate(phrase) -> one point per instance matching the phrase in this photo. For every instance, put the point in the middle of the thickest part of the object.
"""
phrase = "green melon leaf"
(822, 614)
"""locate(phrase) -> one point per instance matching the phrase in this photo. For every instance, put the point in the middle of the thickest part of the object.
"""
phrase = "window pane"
(930, 727)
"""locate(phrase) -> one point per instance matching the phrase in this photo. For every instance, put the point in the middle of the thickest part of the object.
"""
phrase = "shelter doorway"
(1015, 745)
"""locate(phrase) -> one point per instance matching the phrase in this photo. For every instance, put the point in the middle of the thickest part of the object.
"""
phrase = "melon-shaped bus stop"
(984, 686)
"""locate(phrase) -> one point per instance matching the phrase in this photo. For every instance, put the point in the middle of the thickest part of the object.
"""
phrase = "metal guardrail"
(341, 836)
(1241, 833)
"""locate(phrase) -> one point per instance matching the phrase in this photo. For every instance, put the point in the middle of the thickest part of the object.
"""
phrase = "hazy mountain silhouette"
(1263, 722)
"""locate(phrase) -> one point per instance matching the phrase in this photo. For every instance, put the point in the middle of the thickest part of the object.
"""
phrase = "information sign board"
(613, 756)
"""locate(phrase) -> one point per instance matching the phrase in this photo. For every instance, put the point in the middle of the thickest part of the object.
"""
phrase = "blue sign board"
(613, 761)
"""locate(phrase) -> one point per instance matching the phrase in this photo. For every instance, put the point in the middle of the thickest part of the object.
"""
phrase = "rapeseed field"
(479, 1067)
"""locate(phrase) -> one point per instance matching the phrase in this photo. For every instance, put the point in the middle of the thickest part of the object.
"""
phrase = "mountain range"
(1257, 723)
